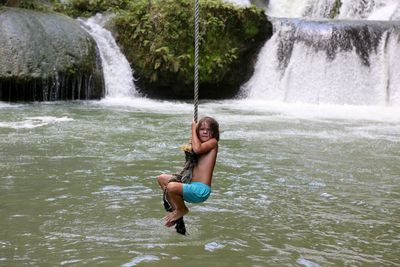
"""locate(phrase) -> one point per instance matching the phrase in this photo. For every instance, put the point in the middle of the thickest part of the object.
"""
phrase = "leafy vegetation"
(41, 5)
(158, 39)
(73, 8)
(87, 8)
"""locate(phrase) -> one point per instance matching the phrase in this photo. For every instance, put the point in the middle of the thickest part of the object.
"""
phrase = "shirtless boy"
(205, 137)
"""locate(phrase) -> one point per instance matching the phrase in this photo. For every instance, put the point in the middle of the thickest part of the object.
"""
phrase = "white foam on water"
(317, 184)
(367, 122)
(146, 104)
(34, 122)
(7, 105)
(328, 196)
(140, 259)
(278, 110)
(307, 263)
(212, 246)
(70, 262)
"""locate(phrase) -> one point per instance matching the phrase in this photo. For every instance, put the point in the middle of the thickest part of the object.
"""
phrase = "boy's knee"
(174, 187)
(163, 180)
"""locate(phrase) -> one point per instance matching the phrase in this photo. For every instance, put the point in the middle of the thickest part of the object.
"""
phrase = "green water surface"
(78, 187)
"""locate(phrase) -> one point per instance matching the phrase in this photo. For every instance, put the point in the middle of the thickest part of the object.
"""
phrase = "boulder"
(45, 57)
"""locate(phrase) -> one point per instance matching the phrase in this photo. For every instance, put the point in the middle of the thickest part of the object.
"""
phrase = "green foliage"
(40, 5)
(73, 8)
(335, 9)
(87, 8)
(158, 38)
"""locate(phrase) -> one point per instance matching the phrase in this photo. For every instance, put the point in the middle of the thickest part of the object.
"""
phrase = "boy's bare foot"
(171, 218)
(170, 224)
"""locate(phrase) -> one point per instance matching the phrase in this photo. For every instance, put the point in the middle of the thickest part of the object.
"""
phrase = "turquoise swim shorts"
(196, 192)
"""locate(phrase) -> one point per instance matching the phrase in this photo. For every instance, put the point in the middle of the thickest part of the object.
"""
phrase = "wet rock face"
(46, 56)
(333, 37)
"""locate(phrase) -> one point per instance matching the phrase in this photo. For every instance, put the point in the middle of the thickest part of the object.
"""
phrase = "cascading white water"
(239, 2)
(118, 74)
(312, 76)
(329, 61)
(300, 9)
(319, 8)
(370, 9)
(349, 9)
(286, 8)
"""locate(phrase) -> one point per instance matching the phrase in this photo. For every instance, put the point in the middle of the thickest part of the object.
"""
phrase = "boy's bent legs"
(163, 180)
(175, 195)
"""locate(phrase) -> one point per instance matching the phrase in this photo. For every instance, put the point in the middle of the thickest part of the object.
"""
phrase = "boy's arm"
(199, 147)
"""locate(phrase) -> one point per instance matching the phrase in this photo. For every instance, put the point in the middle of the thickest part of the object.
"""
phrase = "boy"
(205, 137)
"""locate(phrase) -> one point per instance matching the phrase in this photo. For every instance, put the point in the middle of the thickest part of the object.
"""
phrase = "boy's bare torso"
(204, 168)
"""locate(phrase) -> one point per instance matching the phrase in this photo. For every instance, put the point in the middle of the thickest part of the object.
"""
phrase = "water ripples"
(287, 189)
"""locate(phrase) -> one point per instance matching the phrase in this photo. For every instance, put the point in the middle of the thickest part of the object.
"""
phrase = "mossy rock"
(46, 56)
(158, 39)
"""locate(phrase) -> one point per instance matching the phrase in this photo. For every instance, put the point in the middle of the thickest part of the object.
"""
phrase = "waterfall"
(349, 9)
(118, 76)
(239, 2)
(300, 8)
(322, 61)
(370, 9)
(286, 8)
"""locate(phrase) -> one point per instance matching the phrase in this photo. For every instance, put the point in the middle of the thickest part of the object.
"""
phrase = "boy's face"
(205, 132)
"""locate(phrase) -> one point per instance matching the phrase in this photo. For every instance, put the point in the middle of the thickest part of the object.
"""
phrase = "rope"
(196, 60)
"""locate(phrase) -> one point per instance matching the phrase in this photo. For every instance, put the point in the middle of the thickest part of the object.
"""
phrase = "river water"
(294, 185)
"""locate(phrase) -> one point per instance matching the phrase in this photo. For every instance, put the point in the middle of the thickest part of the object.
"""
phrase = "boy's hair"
(213, 125)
